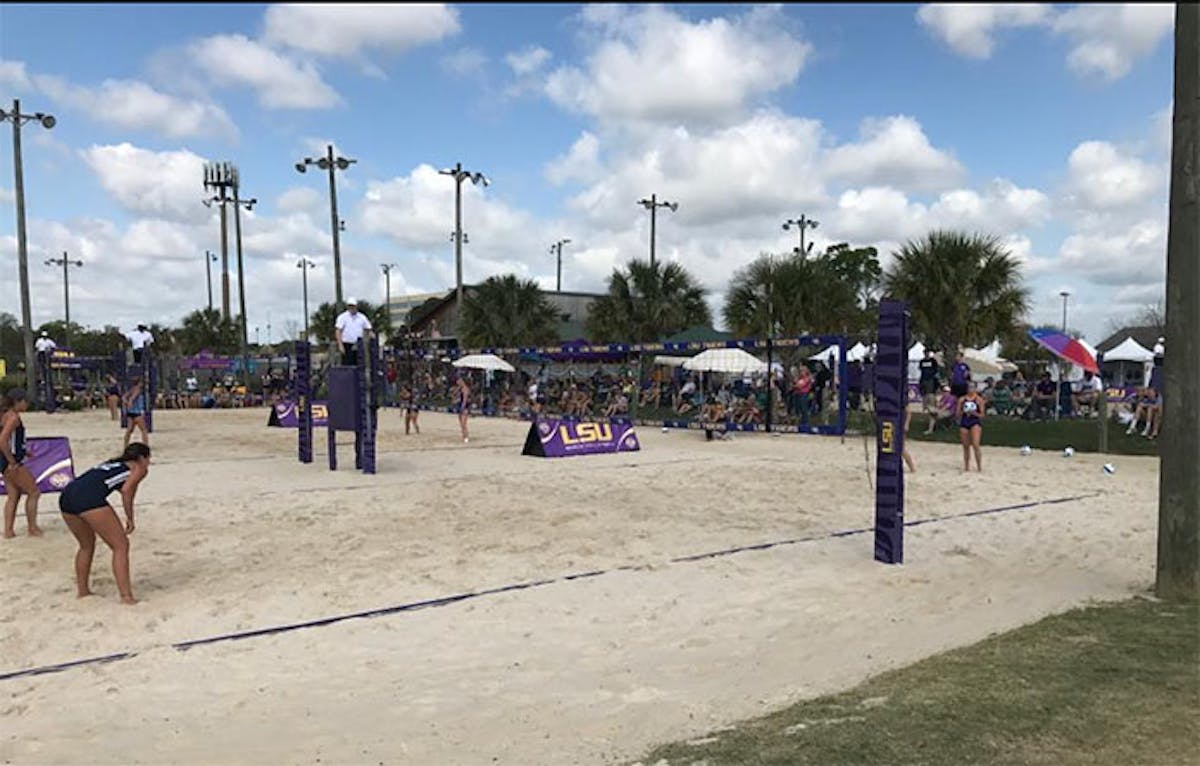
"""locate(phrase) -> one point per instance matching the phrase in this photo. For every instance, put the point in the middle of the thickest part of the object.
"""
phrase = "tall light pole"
(802, 223)
(653, 204)
(557, 248)
(387, 291)
(1064, 295)
(331, 163)
(304, 265)
(66, 263)
(17, 119)
(219, 179)
(209, 259)
(460, 175)
(238, 204)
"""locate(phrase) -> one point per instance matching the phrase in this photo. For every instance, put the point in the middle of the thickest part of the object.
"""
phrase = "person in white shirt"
(1091, 388)
(350, 326)
(139, 339)
(45, 343)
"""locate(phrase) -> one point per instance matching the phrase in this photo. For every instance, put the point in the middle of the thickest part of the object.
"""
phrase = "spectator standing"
(929, 381)
(960, 373)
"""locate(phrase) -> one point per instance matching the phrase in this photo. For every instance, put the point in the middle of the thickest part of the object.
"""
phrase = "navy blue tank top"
(16, 442)
(106, 477)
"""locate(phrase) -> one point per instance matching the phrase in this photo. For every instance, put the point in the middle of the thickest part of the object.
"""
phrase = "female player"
(112, 397)
(18, 480)
(970, 426)
(462, 400)
(135, 410)
(408, 400)
(86, 510)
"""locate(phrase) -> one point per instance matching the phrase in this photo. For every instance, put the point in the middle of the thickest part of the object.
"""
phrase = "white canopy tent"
(489, 362)
(729, 360)
(1129, 350)
(671, 361)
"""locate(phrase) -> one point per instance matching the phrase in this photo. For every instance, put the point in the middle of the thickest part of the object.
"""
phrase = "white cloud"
(279, 81)
(580, 163)
(1106, 38)
(1136, 255)
(1002, 207)
(7, 196)
(527, 61)
(299, 199)
(1102, 178)
(14, 75)
(157, 184)
(465, 62)
(125, 104)
(970, 28)
(1109, 38)
(877, 213)
(347, 29)
(134, 105)
(652, 64)
(894, 151)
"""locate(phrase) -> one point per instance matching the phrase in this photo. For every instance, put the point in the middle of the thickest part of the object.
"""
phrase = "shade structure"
(671, 361)
(483, 362)
(1065, 347)
(731, 360)
(1129, 350)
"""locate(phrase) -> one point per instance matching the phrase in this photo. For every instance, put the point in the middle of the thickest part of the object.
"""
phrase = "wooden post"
(1179, 440)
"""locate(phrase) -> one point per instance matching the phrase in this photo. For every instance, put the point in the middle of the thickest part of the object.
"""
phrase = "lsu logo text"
(586, 433)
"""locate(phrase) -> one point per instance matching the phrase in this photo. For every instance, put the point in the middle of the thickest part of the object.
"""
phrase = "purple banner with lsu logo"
(567, 438)
(48, 458)
(284, 414)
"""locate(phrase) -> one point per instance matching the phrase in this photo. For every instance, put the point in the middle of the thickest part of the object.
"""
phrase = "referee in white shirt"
(44, 343)
(350, 326)
(140, 338)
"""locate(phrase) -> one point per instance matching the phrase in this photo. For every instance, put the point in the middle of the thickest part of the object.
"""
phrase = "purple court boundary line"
(414, 606)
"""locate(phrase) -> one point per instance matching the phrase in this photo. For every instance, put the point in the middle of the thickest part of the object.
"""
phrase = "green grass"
(1113, 684)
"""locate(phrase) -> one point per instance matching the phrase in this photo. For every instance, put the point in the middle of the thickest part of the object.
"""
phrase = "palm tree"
(506, 311)
(791, 295)
(962, 289)
(647, 303)
(206, 329)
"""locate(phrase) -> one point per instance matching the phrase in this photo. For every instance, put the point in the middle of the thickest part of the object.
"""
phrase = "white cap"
(352, 301)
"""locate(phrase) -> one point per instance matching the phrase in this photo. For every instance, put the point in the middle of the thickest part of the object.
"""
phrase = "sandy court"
(234, 534)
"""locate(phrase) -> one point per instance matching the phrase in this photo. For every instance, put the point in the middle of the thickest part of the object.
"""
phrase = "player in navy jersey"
(18, 480)
(87, 513)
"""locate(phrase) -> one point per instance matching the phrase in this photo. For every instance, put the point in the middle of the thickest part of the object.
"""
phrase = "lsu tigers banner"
(567, 438)
(284, 415)
(48, 458)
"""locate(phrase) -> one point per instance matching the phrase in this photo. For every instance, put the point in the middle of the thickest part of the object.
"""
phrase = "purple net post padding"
(48, 458)
(305, 415)
(343, 398)
(891, 384)
(562, 438)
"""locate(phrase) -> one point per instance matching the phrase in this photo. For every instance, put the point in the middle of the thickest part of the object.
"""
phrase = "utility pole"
(802, 223)
(1064, 295)
(304, 265)
(557, 248)
(387, 300)
(209, 259)
(219, 178)
(653, 204)
(17, 119)
(1178, 575)
(66, 263)
(331, 163)
(476, 178)
(238, 204)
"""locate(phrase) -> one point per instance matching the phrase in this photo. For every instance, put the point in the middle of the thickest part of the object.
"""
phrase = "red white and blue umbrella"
(1065, 347)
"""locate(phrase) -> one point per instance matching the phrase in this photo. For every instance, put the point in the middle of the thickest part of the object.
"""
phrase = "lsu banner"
(566, 438)
(284, 415)
(49, 460)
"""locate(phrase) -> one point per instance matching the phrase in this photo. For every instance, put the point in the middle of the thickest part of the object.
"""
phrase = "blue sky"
(1046, 125)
